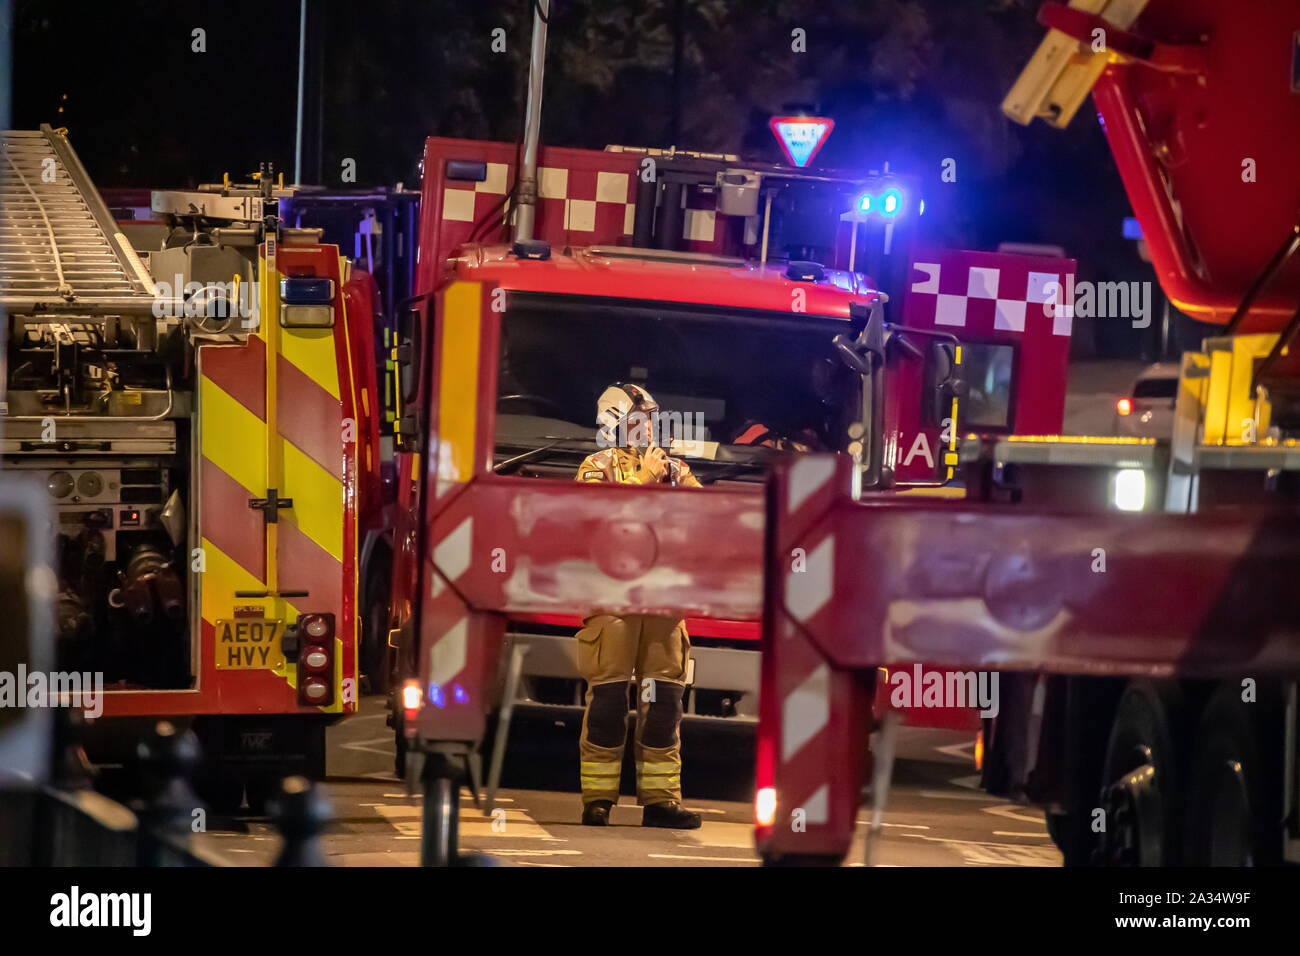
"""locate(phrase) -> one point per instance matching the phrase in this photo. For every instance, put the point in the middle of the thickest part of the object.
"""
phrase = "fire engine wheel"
(259, 790)
(1234, 807)
(399, 754)
(1142, 777)
(440, 818)
(223, 795)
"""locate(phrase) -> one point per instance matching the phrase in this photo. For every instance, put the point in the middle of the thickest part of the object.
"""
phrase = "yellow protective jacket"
(623, 466)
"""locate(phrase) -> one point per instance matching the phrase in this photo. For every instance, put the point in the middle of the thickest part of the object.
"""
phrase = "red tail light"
(315, 660)
(412, 699)
(766, 798)
(1124, 406)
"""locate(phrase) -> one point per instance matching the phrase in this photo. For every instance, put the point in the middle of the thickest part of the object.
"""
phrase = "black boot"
(596, 813)
(671, 816)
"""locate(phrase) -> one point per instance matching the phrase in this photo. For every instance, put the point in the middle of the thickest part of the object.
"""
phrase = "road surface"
(936, 817)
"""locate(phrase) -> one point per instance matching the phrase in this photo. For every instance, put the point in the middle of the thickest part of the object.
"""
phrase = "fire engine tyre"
(258, 789)
(376, 662)
(1149, 729)
(399, 753)
(440, 817)
(1234, 805)
(223, 795)
(399, 737)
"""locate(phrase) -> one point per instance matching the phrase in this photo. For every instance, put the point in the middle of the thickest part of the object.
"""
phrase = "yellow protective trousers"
(611, 651)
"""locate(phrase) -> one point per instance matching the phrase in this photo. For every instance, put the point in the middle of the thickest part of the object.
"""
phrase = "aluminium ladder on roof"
(60, 249)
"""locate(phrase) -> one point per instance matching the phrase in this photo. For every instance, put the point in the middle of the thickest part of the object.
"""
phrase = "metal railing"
(68, 823)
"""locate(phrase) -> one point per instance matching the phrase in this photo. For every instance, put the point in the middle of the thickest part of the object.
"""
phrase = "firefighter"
(613, 649)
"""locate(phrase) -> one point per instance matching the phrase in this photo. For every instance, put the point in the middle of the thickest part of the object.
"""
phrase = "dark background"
(911, 82)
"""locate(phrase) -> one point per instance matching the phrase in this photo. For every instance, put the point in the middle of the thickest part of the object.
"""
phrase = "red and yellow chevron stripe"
(271, 415)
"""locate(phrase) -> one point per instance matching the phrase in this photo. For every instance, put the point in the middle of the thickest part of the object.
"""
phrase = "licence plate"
(249, 643)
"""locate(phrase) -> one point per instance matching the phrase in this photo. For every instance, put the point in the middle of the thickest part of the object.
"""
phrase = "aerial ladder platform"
(60, 250)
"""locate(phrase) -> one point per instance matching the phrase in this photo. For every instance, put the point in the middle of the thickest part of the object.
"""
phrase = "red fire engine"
(200, 409)
(694, 275)
(1131, 593)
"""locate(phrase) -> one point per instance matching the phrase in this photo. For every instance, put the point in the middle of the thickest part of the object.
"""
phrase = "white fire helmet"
(614, 406)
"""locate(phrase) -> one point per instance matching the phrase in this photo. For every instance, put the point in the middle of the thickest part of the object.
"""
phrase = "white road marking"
(365, 746)
(473, 825)
(706, 859)
(964, 750)
(505, 852)
(983, 853)
(1012, 811)
(941, 795)
(1041, 836)
(899, 826)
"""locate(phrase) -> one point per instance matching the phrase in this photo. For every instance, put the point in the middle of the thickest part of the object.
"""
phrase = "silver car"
(1147, 411)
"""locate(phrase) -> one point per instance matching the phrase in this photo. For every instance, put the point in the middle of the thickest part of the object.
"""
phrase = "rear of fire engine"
(694, 276)
(199, 413)
(1133, 593)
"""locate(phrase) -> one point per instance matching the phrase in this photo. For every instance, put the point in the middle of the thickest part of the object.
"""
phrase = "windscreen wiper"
(511, 465)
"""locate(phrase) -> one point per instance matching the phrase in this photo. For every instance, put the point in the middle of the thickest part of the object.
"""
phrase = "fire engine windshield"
(734, 387)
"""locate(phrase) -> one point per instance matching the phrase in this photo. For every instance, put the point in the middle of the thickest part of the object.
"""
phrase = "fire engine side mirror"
(943, 381)
(850, 356)
(407, 358)
(407, 354)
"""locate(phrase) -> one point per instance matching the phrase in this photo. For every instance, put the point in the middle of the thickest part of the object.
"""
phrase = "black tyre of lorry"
(1080, 712)
(376, 662)
(399, 752)
(223, 794)
(440, 818)
(1145, 764)
(1234, 805)
(259, 789)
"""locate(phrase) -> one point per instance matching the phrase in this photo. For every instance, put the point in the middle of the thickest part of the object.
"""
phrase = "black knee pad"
(663, 714)
(607, 714)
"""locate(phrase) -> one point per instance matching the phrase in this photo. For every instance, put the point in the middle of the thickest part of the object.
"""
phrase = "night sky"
(911, 82)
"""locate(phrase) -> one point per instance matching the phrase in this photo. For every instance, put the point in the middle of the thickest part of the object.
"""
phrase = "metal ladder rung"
(57, 237)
